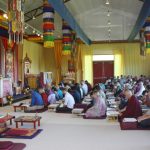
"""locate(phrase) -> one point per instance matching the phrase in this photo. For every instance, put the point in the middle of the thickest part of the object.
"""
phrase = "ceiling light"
(107, 2)
(38, 34)
(41, 36)
(108, 14)
(26, 27)
(109, 30)
(5, 16)
(109, 23)
(33, 31)
(33, 18)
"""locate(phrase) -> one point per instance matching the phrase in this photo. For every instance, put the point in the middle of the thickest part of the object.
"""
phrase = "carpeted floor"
(69, 132)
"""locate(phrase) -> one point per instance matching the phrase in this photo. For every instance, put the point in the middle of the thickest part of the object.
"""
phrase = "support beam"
(62, 10)
(33, 13)
(144, 13)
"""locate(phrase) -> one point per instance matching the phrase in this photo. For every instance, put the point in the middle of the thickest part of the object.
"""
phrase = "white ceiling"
(92, 17)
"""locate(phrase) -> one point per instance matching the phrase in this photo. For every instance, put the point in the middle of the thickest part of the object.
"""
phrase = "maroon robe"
(45, 98)
(133, 108)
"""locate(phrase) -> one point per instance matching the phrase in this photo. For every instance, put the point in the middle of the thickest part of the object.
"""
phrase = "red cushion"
(16, 132)
(5, 144)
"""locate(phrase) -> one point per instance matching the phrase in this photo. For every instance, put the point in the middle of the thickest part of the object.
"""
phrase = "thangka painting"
(9, 65)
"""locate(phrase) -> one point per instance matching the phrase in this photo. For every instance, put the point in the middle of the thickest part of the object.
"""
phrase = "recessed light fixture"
(107, 2)
(33, 18)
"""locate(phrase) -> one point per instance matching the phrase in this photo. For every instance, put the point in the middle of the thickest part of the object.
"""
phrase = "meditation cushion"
(77, 110)
(128, 123)
(6, 145)
(16, 132)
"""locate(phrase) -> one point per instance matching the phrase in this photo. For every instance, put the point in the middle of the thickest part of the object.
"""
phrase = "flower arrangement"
(9, 98)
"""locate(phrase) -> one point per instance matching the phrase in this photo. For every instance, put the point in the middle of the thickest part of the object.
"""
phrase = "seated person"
(144, 120)
(99, 108)
(89, 86)
(117, 89)
(133, 108)
(59, 93)
(75, 94)
(52, 97)
(146, 98)
(44, 96)
(84, 87)
(68, 102)
(139, 89)
(36, 101)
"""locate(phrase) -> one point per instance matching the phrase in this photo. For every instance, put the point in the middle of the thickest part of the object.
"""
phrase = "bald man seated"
(133, 108)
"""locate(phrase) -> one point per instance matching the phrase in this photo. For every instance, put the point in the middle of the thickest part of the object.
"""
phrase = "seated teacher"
(133, 108)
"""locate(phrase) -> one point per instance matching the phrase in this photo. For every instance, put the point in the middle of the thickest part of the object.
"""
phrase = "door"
(102, 70)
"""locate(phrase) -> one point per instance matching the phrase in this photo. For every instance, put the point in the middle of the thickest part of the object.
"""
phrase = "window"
(103, 57)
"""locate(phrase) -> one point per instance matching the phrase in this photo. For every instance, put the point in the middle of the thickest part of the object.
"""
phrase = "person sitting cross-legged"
(99, 108)
(144, 120)
(36, 101)
(133, 108)
(68, 102)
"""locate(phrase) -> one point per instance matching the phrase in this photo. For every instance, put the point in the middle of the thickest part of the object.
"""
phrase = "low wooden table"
(21, 107)
(7, 118)
(28, 119)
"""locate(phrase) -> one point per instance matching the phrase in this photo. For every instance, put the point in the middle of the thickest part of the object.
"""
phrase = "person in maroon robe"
(44, 97)
(133, 108)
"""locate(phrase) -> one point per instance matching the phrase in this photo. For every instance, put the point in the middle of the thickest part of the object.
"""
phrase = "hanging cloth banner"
(48, 24)
(147, 34)
(67, 38)
(15, 20)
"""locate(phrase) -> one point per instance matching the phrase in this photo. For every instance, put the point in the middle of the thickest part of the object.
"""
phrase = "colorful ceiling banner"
(15, 20)
(147, 34)
(48, 24)
(67, 38)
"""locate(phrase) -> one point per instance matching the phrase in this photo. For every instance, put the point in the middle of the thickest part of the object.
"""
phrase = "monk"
(133, 108)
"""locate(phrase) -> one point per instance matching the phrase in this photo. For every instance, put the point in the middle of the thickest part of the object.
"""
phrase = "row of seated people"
(133, 93)
(72, 94)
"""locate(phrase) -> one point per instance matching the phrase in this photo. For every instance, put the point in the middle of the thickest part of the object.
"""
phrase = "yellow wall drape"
(87, 62)
(132, 63)
(78, 65)
(118, 62)
(58, 59)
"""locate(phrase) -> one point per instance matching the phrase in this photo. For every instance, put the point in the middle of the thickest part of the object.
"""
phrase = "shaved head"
(128, 93)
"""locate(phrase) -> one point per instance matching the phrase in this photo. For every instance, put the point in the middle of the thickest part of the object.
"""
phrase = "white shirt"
(85, 88)
(69, 100)
(52, 98)
(81, 91)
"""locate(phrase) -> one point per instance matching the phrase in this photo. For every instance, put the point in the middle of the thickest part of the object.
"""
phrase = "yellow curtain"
(78, 65)
(87, 62)
(58, 59)
(118, 62)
